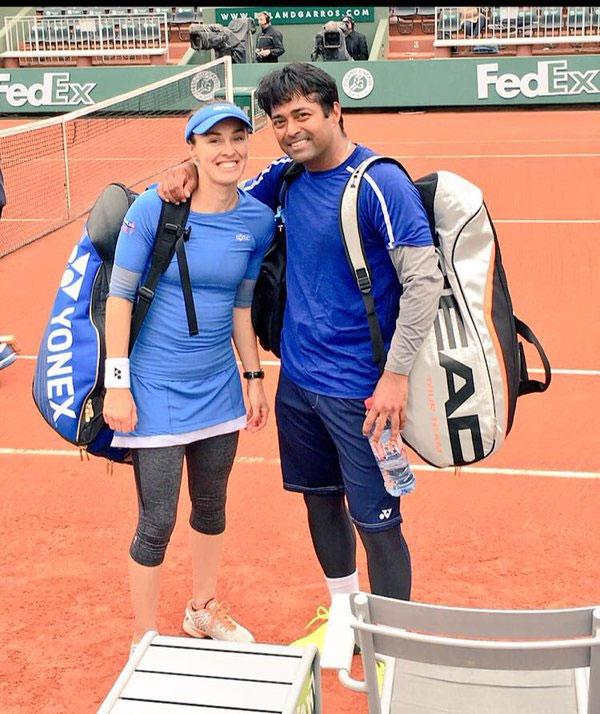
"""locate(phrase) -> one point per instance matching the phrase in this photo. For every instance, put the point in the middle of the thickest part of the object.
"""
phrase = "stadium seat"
(427, 16)
(107, 33)
(183, 15)
(138, 10)
(468, 660)
(85, 32)
(127, 31)
(578, 19)
(403, 19)
(75, 11)
(167, 10)
(527, 20)
(38, 33)
(448, 23)
(550, 20)
(96, 11)
(149, 31)
(52, 11)
(56, 33)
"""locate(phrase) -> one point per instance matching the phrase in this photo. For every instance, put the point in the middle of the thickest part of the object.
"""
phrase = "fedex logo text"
(552, 79)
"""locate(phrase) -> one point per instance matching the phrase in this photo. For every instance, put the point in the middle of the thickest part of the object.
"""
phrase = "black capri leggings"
(158, 474)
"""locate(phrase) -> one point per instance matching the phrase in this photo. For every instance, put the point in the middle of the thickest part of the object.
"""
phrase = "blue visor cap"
(204, 119)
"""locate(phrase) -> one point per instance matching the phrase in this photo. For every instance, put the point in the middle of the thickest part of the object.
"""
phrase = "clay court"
(519, 530)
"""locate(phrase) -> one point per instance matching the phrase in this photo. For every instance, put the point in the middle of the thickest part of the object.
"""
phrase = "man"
(326, 361)
(356, 42)
(330, 44)
(269, 43)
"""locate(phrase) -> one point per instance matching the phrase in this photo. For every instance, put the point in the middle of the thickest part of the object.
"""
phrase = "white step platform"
(181, 675)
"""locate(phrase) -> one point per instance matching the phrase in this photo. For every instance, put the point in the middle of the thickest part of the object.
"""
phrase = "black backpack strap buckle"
(145, 293)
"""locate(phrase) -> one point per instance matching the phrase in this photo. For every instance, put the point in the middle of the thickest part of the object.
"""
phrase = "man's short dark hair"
(298, 79)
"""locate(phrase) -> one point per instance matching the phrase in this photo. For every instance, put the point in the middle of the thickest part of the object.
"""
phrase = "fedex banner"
(54, 89)
(462, 82)
(551, 78)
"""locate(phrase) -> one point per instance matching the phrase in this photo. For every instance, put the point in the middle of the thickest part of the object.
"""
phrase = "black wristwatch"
(254, 375)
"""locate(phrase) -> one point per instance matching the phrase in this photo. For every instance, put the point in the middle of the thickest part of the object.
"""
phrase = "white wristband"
(116, 373)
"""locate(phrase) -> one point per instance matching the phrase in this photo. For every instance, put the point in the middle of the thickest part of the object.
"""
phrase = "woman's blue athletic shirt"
(223, 250)
(326, 346)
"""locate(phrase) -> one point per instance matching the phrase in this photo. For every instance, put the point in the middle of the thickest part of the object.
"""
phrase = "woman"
(185, 394)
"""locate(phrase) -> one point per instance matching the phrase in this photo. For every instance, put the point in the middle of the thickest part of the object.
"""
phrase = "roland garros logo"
(204, 85)
(358, 83)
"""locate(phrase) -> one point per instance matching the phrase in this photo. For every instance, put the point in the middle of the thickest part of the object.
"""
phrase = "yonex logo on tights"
(385, 514)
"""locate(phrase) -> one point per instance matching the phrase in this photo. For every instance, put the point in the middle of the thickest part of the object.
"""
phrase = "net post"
(66, 160)
(228, 78)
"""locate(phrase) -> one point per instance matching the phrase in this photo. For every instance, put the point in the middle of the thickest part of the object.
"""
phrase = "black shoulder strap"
(289, 175)
(526, 385)
(355, 252)
(171, 230)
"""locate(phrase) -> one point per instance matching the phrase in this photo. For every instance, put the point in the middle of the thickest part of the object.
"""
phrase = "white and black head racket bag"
(471, 368)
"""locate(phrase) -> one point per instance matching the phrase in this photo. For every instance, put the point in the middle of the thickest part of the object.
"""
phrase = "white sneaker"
(214, 621)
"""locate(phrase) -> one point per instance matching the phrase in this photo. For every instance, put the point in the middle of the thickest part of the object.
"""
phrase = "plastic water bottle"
(398, 477)
(7, 355)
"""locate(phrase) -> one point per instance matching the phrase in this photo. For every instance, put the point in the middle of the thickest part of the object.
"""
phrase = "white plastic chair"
(172, 675)
(466, 661)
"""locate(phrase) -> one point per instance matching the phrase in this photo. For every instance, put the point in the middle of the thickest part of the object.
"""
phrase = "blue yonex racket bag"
(68, 385)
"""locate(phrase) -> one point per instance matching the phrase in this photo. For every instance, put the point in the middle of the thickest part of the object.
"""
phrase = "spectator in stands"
(2, 193)
(472, 21)
(356, 42)
(269, 44)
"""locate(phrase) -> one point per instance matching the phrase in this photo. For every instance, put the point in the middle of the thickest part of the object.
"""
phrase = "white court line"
(31, 220)
(474, 156)
(479, 470)
(470, 142)
(532, 370)
(542, 221)
(567, 221)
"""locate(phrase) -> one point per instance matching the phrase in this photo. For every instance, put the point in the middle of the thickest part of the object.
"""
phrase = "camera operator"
(235, 40)
(330, 44)
(356, 42)
(269, 43)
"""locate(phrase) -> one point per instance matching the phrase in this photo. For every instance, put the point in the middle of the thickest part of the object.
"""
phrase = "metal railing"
(86, 36)
(456, 26)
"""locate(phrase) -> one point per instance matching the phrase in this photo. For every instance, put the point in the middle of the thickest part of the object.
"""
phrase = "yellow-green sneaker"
(317, 636)
(380, 674)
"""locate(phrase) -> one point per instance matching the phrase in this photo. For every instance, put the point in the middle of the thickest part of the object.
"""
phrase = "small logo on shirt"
(242, 237)
(128, 226)
(386, 513)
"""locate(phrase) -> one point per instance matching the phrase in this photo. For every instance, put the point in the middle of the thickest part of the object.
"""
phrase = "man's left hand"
(389, 402)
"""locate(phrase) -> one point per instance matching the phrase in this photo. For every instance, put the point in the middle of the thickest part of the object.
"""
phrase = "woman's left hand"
(258, 412)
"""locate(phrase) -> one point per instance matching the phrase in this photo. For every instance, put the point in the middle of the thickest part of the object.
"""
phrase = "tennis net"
(55, 168)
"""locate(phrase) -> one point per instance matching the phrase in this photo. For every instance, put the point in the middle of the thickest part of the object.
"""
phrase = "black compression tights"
(332, 533)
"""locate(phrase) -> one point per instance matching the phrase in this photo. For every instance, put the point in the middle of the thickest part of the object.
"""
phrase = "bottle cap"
(7, 355)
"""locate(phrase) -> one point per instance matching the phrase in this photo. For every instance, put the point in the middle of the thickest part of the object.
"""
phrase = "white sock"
(343, 586)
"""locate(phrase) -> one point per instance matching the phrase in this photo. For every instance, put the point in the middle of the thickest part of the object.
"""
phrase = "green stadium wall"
(489, 82)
